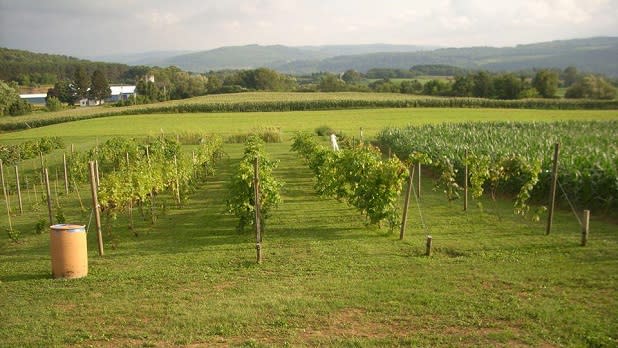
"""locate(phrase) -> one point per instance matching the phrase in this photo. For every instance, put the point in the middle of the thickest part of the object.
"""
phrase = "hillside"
(597, 55)
(40, 68)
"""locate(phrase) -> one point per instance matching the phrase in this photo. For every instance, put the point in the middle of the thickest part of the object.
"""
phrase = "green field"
(327, 279)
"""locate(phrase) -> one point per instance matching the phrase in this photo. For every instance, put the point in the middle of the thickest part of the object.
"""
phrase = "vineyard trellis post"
(428, 246)
(6, 197)
(21, 206)
(418, 177)
(256, 189)
(585, 227)
(96, 173)
(554, 181)
(95, 206)
(48, 192)
(66, 175)
(406, 203)
(466, 181)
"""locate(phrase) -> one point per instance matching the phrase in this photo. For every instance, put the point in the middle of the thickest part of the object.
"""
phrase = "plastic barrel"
(69, 251)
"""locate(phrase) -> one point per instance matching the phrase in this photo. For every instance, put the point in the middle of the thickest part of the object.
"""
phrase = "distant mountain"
(254, 56)
(143, 58)
(597, 55)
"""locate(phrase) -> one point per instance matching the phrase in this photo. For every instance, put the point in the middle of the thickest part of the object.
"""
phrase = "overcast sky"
(92, 27)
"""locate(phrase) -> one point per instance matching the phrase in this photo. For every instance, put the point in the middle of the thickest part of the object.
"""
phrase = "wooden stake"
(95, 206)
(66, 175)
(554, 181)
(72, 149)
(79, 196)
(256, 189)
(49, 200)
(28, 190)
(466, 181)
(96, 172)
(148, 154)
(177, 181)
(418, 177)
(21, 207)
(128, 160)
(406, 202)
(586, 227)
(56, 190)
(41, 171)
(428, 246)
(6, 197)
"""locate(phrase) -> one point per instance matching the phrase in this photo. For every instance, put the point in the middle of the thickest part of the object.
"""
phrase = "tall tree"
(569, 76)
(81, 82)
(99, 89)
(507, 86)
(482, 85)
(64, 90)
(8, 96)
(546, 82)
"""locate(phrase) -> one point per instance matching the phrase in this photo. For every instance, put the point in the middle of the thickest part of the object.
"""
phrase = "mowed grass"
(327, 279)
(346, 121)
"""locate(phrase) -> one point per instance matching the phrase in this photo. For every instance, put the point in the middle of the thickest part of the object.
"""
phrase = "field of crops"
(505, 156)
(281, 102)
(329, 277)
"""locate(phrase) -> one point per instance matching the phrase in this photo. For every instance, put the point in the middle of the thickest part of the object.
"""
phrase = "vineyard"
(179, 218)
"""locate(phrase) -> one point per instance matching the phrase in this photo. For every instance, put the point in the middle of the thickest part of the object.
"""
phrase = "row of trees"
(95, 86)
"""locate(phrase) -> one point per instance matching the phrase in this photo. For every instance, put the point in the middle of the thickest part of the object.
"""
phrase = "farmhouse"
(121, 92)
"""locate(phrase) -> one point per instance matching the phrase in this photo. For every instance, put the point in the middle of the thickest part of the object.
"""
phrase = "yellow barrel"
(69, 251)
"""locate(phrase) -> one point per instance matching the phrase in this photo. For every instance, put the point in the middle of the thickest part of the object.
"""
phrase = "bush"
(54, 104)
(324, 131)
(20, 107)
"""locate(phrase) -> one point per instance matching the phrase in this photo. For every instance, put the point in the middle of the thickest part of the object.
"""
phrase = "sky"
(94, 28)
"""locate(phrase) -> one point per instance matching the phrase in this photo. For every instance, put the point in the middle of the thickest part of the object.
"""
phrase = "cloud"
(123, 26)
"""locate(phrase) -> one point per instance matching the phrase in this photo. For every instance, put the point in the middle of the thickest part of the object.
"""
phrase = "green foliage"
(357, 175)
(99, 87)
(324, 131)
(54, 104)
(41, 226)
(591, 87)
(266, 134)
(20, 107)
(8, 96)
(546, 83)
(515, 158)
(14, 234)
(241, 196)
(13, 154)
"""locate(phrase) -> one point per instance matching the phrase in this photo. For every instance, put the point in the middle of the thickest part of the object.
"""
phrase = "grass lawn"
(327, 279)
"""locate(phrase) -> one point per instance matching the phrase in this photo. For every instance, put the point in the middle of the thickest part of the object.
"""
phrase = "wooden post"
(56, 190)
(554, 181)
(428, 246)
(127, 156)
(466, 181)
(390, 153)
(66, 175)
(406, 203)
(21, 207)
(41, 171)
(361, 135)
(79, 196)
(586, 227)
(95, 206)
(177, 180)
(148, 153)
(6, 197)
(48, 190)
(418, 178)
(96, 172)
(256, 189)
(72, 149)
